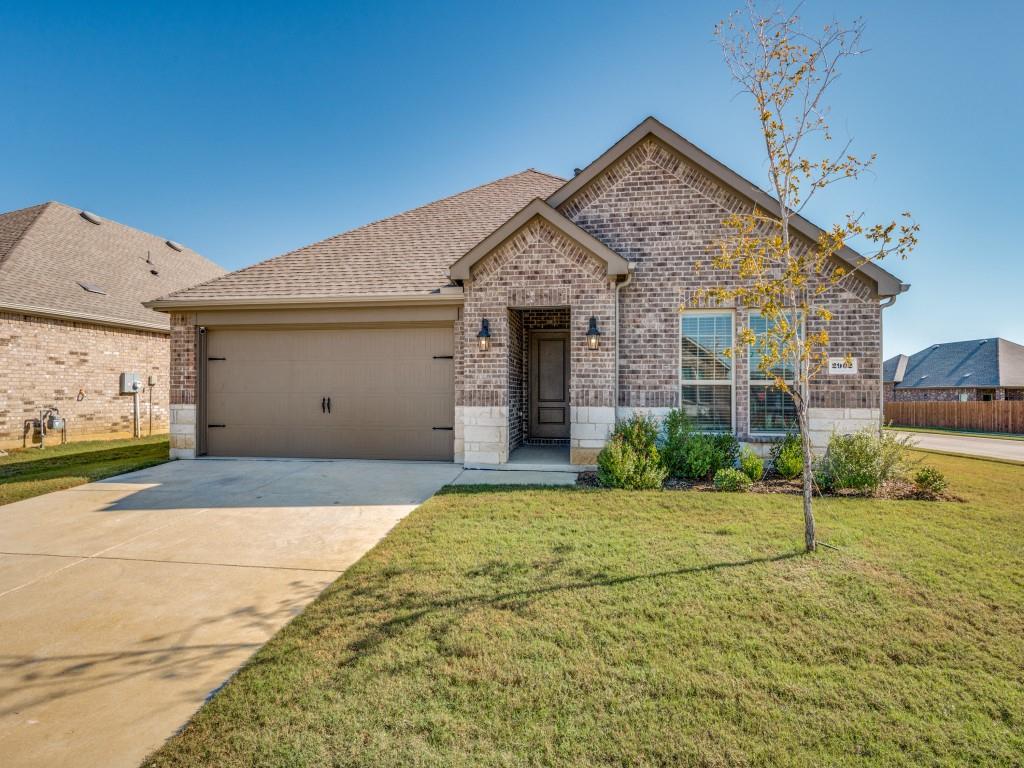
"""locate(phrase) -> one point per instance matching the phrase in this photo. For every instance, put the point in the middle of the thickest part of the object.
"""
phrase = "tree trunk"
(805, 443)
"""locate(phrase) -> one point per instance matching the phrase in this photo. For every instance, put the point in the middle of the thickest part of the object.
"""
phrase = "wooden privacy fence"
(979, 416)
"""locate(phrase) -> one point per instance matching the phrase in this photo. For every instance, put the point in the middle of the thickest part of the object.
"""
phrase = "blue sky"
(247, 130)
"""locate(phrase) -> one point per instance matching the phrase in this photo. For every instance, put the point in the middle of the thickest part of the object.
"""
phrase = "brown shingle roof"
(409, 253)
(48, 250)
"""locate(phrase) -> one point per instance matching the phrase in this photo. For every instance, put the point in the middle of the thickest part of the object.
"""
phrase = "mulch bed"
(896, 490)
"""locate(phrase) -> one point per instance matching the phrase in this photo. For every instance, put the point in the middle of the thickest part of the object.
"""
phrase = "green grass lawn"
(564, 627)
(31, 472)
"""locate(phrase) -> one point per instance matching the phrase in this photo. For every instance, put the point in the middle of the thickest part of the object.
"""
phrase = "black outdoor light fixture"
(593, 334)
(485, 335)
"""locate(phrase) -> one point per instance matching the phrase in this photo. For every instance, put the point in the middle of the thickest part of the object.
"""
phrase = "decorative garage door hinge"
(216, 425)
(444, 429)
(444, 357)
(216, 358)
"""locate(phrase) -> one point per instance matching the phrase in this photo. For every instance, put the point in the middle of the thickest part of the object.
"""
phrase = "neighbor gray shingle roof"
(978, 363)
(47, 252)
(408, 253)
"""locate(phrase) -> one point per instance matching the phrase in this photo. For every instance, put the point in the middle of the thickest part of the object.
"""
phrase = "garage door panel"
(388, 391)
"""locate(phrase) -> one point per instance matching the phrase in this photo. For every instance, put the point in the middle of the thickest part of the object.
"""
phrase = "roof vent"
(967, 374)
(92, 288)
(924, 376)
(92, 218)
(175, 246)
(576, 171)
(983, 341)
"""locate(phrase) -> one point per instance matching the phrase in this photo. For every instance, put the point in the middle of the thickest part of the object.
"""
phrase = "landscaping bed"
(900, 489)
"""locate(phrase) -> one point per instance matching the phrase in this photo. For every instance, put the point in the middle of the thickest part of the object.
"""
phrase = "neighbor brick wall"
(49, 362)
(947, 394)
(665, 214)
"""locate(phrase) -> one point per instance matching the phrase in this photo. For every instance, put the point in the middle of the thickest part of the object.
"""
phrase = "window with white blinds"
(772, 410)
(706, 371)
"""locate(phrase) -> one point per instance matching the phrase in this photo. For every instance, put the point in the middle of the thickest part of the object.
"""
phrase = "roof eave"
(83, 317)
(888, 284)
(446, 295)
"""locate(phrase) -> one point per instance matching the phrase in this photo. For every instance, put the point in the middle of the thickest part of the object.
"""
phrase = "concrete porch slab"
(517, 476)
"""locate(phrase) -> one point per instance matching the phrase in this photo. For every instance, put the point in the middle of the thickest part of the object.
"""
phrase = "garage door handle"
(323, 405)
(328, 405)
(212, 426)
(445, 429)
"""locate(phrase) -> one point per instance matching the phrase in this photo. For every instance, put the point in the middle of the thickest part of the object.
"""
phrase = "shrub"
(631, 459)
(787, 456)
(751, 464)
(695, 455)
(862, 461)
(729, 479)
(639, 431)
(677, 433)
(930, 482)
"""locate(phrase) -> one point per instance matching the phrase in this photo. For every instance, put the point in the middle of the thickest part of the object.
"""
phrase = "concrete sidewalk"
(124, 603)
(981, 447)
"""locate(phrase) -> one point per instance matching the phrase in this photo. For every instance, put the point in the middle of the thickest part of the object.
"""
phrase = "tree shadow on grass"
(410, 613)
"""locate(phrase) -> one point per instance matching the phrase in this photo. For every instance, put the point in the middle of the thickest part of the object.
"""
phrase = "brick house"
(965, 371)
(72, 320)
(525, 315)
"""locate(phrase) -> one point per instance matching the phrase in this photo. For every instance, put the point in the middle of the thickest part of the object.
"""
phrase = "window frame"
(681, 382)
(752, 382)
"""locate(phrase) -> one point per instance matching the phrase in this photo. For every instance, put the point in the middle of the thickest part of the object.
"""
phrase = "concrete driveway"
(124, 603)
(969, 445)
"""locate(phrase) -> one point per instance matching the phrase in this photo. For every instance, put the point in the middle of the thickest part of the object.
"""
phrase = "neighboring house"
(528, 310)
(72, 320)
(981, 369)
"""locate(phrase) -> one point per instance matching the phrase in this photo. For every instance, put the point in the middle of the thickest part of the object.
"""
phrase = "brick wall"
(664, 214)
(183, 359)
(518, 354)
(76, 367)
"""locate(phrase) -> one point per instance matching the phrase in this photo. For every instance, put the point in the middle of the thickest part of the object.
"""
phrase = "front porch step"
(522, 466)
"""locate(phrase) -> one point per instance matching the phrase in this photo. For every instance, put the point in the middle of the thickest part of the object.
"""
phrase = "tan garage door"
(373, 393)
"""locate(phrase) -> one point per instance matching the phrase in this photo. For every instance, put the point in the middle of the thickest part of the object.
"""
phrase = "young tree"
(788, 73)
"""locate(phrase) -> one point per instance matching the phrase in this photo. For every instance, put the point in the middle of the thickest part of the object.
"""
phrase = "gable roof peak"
(616, 265)
(887, 283)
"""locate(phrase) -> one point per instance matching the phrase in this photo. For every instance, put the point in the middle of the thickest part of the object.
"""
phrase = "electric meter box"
(130, 383)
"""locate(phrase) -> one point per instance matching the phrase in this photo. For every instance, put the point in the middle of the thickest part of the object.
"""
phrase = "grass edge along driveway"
(498, 627)
(29, 472)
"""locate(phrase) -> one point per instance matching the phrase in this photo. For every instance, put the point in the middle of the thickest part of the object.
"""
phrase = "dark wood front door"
(549, 384)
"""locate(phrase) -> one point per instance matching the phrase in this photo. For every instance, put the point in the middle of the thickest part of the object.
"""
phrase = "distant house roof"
(982, 363)
(60, 261)
(406, 255)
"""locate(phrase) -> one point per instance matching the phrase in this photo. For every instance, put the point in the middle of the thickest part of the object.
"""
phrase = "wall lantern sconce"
(593, 334)
(485, 335)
